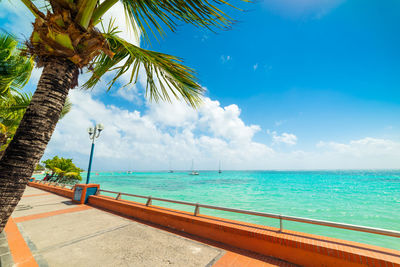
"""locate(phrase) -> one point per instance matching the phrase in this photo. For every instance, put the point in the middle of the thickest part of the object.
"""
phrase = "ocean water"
(367, 198)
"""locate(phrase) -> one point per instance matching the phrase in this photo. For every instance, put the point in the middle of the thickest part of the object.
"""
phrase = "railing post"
(148, 203)
(118, 196)
(197, 209)
(97, 192)
(280, 223)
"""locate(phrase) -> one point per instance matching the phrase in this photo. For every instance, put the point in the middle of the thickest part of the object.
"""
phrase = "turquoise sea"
(367, 198)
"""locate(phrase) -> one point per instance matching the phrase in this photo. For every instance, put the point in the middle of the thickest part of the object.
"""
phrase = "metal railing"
(55, 184)
(281, 218)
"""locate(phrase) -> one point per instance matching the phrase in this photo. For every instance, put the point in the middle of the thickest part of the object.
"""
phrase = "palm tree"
(63, 170)
(15, 71)
(65, 40)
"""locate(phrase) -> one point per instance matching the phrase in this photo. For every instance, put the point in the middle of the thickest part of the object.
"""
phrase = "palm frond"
(58, 170)
(18, 101)
(150, 14)
(12, 108)
(67, 108)
(72, 174)
(165, 73)
(3, 128)
(32, 7)
(15, 68)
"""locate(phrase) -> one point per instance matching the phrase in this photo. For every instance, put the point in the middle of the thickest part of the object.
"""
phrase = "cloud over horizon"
(175, 133)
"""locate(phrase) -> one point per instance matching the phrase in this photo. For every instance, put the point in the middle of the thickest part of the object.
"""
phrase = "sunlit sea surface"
(367, 198)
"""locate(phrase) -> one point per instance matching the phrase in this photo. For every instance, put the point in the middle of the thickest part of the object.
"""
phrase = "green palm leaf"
(15, 102)
(163, 71)
(72, 174)
(150, 14)
(67, 108)
(58, 171)
(12, 109)
(15, 68)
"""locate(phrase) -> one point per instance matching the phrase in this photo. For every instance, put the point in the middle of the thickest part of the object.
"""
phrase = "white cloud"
(130, 93)
(175, 114)
(175, 133)
(365, 153)
(285, 138)
(164, 132)
(362, 147)
(225, 122)
(301, 8)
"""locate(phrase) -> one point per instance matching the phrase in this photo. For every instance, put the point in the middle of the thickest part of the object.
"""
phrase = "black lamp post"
(94, 132)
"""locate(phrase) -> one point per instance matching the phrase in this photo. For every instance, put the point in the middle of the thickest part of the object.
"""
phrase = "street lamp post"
(94, 132)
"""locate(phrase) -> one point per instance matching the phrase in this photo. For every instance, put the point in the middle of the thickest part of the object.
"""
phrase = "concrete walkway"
(50, 230)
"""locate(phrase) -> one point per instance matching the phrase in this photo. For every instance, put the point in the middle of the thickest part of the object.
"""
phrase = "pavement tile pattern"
(58, 232)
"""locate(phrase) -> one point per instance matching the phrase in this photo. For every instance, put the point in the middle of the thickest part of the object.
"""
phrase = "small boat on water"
(219, 168)
(170, 169)
(193, 172)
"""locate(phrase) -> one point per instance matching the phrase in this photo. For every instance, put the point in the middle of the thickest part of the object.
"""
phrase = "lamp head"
(100, 127)
(90, 130)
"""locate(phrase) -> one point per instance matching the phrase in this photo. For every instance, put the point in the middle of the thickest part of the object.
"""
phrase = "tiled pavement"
(57, 232)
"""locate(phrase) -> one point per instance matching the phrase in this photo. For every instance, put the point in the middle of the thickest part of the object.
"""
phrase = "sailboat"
(170, 169)
(193, 171)
(219, 168)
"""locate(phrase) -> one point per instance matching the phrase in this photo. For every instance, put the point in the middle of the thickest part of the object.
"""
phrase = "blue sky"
(315, 84)
(334, 77)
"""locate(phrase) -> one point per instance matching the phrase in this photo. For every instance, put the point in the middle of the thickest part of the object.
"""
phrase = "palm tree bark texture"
(34, 132)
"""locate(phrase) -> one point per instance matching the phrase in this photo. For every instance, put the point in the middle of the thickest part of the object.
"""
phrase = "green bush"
(62, 170)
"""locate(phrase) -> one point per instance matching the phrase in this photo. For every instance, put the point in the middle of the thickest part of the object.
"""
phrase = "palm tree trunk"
(34, 132)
